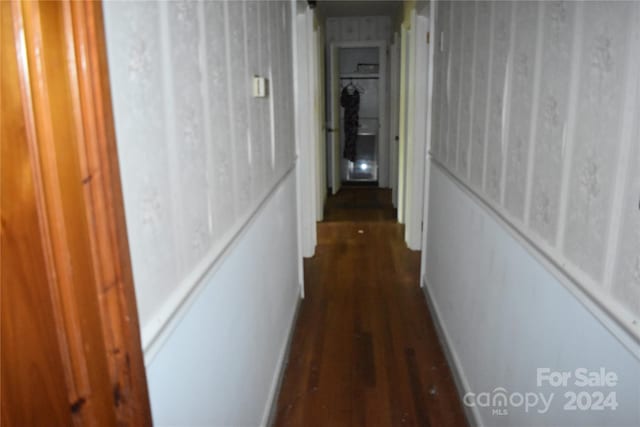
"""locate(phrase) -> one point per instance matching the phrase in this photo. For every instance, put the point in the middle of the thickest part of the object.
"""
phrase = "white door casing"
(383, 112)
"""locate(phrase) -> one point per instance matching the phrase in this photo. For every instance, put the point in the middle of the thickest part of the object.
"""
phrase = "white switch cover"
(259, 87)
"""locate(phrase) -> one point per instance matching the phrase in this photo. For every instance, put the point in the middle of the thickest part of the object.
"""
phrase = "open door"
(70, 351)
(336, 153)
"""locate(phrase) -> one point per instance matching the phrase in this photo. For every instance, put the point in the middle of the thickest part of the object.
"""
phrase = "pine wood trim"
(101, 176)
(70, 134)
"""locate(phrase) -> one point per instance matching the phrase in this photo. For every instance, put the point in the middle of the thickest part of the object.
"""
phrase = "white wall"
(349, 58)
(533, 216)
(210, 199)
(504, 314)
(221, 364)
(358, 28)
(536, 110)
(197, 152)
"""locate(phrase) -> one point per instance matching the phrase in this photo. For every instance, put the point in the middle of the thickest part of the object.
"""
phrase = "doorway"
(398, 142)
(357, 73)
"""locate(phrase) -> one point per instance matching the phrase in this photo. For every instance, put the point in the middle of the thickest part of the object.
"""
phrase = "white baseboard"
(270, 409)
(459, 377)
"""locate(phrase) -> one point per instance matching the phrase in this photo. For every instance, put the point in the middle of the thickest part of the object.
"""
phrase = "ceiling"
(330, 8)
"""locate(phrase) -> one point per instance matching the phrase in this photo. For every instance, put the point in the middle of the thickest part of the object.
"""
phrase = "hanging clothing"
(350, 101)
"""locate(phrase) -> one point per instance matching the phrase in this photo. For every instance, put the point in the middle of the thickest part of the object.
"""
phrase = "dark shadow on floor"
(360, 203)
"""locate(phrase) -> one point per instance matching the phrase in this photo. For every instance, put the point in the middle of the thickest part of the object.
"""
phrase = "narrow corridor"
(170, 255)
(364, 350)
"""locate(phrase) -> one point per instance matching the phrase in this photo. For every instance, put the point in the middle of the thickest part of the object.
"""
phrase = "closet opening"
(358, 148)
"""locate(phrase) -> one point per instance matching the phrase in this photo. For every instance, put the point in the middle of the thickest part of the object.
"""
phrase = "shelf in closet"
(359, 76)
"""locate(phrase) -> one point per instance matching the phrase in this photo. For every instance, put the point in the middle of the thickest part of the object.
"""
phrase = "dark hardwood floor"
(360, 203)
(364, 350)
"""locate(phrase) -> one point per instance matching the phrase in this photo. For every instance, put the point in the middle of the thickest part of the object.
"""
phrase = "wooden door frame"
(64, 85)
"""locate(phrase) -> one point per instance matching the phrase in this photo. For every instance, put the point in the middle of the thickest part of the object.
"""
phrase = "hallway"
(364, 350)
(172, 254)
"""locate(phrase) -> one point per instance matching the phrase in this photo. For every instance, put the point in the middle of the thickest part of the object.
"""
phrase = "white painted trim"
(300, 250)
(322, 124)
(159, 328)
(383, 119)
(419, 110)
(305, 178)
(427, 162)
(402, 118)
(305, 235)
(408, 113)
(459, 376)
(356, 44)
(626, 329)
(425, 216)
(410, 133)
(336, 180)
(316, 113)
(394, 97)
(270, 409)
(312, 130)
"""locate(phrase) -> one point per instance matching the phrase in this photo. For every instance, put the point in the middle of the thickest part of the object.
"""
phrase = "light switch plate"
(259, 87)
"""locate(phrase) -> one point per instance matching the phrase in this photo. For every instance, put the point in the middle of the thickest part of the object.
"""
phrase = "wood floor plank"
(364, 349)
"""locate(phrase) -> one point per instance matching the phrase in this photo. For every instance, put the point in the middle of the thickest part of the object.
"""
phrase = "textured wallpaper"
(537, 112)
(344, 29)
(197, 152)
